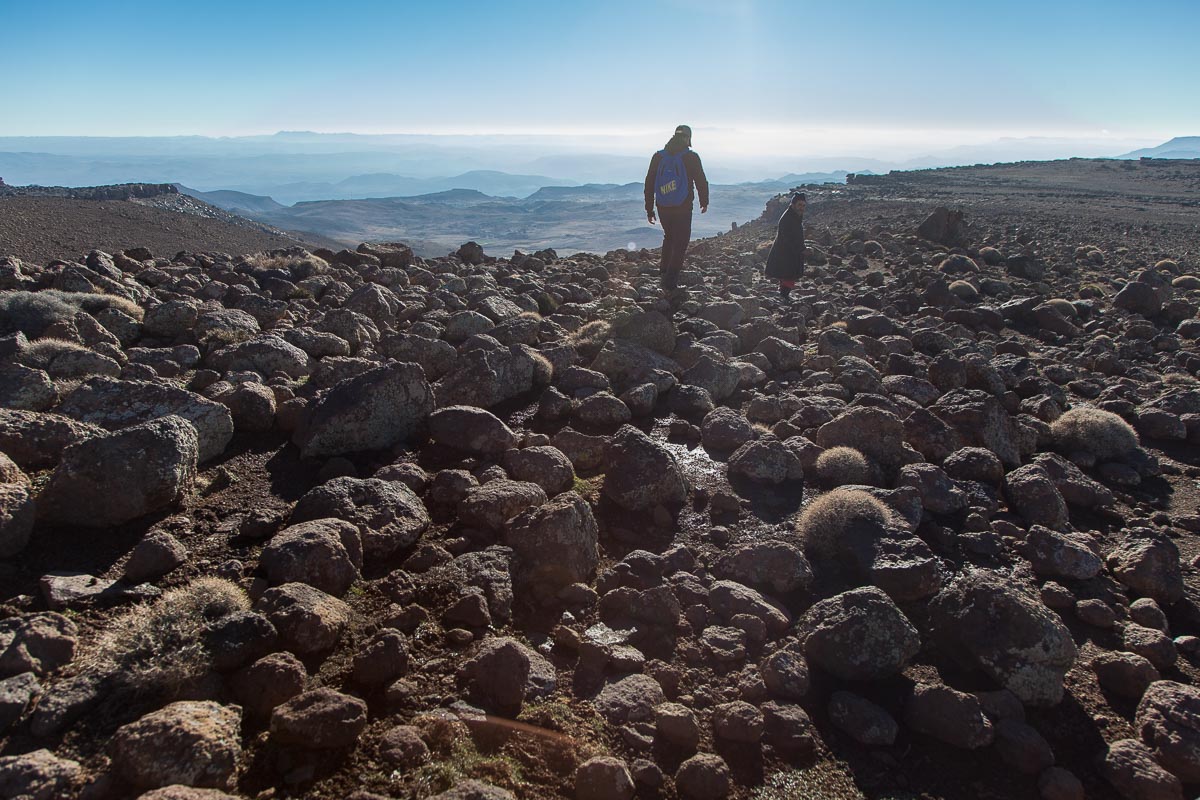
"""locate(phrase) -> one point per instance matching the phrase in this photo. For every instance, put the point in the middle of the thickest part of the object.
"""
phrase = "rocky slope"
(359, 524)
(40, 223)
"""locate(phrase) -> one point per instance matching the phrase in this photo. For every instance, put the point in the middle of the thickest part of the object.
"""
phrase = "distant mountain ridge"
(1182, 147)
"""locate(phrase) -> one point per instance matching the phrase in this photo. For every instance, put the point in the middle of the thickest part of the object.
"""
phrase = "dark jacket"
(697, 182)
(786, 261)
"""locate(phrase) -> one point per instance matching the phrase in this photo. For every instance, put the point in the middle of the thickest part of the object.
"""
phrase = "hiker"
(674, 180)
(786, 261)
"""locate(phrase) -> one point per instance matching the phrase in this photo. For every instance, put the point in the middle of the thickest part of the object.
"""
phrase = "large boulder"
(471, 430)
(307, 619)
(17, 514)
(36, 441)
(503, 674)
(25, 388)
(874, 432)
(987, 621)
(640, 473)
(38, 643)
(981, 421)
(1147, 562)
(266, 356)
(1033, 495)
(1130, 767)
(113, 479)
(545, 465)
(325, 553)
(389, 516)
(371, 411)
(319, 719)
(649, 329)
(766, 460)
(858, 635)
(116, 404)
(40, 775)
(772, 566)
(554, 545)
(1168, 719)
(491, 505)
(486, 377)
(628, 363)
(189, 743)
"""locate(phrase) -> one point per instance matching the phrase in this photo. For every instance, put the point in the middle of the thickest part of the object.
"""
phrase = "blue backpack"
(671, 183)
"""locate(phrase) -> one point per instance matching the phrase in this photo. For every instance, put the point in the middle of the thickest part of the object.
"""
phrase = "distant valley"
(594, 218)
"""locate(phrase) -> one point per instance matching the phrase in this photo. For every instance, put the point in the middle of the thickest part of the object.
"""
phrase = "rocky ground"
(359, 524)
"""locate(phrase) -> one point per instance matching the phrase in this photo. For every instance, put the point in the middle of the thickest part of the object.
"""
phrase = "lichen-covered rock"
(1148, 563)
(858, 635)
(503, 674)
(471, 430)
(554, 545)
(371, 411)
(319, 719)
(640, 473)
(989, 622)
(1168, 720)
(39, 775)
(194, 743)
(308, 620)
(389, 516)
(36, 441)
(110, 480)
(491, 505)
(17, 514)
(117, 404)
(324, 553)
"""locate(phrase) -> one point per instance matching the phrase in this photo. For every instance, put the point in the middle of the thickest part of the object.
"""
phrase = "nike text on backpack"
(671, 182)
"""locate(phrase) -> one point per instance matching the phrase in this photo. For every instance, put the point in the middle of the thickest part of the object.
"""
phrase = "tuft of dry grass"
(964, 290)
(33, 312)
(41, 353)
(833, 518)
(590, 338)
(1064, 307)
(161, 646)
(543, 370)
(839, 466)
(1103, 434)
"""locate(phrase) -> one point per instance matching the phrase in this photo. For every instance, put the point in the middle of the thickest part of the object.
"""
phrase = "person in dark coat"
(676, 219)
(786, 261)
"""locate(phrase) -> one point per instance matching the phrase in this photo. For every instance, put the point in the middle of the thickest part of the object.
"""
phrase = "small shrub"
(964, 290)
(1179, 379)
(839, 466)
(590, 338)
(33, 312)
(534, 315)
(95, 303)
(543, 370)
(832, 521)
(41, 353)
(1090, 430)
(991, 256)
(160, 646)
(1064, 307)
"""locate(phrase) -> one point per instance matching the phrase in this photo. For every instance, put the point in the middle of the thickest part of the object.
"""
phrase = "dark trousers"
(677, 233)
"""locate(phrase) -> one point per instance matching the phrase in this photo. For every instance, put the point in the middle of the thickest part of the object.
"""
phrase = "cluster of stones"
(949, 417)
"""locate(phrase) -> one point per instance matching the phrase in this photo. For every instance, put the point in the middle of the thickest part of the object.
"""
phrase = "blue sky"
(1020, 67)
